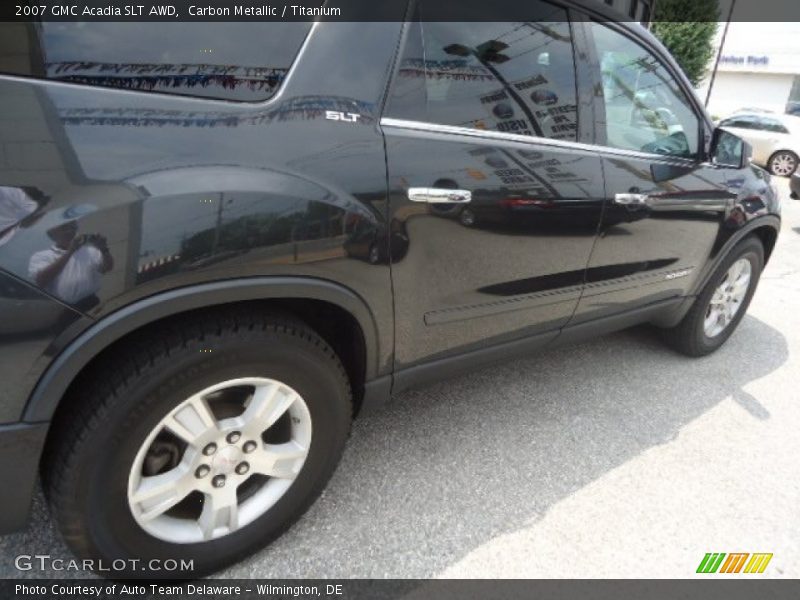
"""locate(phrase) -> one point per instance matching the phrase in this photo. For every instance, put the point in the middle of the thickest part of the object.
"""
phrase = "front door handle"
(631, 199)
(439, 195)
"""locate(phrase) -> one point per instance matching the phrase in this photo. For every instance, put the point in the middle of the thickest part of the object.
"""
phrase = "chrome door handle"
(631, 199)
(439, 195)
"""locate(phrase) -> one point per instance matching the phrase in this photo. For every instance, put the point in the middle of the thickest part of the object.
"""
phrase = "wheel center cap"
(226, 460)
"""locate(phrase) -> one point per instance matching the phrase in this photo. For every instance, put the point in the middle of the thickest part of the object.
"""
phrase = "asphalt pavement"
(614, 458)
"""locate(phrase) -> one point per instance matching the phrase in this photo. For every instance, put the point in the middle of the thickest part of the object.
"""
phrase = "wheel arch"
(765, 228)
(102, 334)
(768, 236)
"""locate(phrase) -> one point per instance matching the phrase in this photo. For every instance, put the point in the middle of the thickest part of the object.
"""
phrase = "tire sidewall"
(101, 490)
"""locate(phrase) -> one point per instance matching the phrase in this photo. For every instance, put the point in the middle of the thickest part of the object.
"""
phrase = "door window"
(645, 108)
(500, 76)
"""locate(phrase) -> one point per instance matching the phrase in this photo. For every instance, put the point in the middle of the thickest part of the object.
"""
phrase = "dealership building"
(759, 62)
(759, 67)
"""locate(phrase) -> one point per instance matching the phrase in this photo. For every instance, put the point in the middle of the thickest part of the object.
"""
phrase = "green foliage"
(687, 29)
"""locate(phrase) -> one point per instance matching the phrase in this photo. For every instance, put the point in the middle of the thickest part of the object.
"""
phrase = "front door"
(664, 206)
(498, 200)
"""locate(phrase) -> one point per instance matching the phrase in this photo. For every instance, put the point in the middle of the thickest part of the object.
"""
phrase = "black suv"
(215, 254)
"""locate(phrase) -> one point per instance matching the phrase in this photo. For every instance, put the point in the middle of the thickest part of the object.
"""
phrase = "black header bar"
(347, 10)
(388, 589)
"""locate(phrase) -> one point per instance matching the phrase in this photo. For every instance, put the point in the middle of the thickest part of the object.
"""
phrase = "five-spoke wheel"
(721, 303)
(228, 461)
(727, 298)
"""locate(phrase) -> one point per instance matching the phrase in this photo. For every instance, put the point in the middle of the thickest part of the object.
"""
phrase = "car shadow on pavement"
(444, 469)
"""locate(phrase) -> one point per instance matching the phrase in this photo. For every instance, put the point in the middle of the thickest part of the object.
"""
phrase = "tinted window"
(773, 125)
(645, 108)
(740, 122)
(510, 77)
(232, 61)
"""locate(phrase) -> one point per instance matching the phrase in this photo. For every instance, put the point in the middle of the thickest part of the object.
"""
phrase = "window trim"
(703, 123)
(585, 58)
(500, 136)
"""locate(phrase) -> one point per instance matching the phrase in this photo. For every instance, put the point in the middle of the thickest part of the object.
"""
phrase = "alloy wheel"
(728, 298)
(219, 460)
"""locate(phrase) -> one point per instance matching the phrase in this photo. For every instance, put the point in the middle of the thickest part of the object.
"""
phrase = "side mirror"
(729, 150)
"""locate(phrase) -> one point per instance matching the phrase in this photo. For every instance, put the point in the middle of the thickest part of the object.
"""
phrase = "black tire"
(689, 336)
(109, 415)
(783, 153)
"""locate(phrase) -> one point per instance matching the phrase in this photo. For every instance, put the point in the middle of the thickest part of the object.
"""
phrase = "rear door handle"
(631, 199)
(439, 195)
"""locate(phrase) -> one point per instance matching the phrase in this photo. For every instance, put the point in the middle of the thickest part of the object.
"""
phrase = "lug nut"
(249, 446)
(202, 471)
(210, 449)
(242, 468)
(218, 481)
(233, 437)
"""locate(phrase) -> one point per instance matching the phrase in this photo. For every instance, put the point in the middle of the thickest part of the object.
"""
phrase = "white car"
(775, 139)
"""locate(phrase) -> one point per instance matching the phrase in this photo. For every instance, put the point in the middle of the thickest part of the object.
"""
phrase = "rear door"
(665, 206)
(492, 181)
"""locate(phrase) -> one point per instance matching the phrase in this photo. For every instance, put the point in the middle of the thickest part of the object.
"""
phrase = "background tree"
(687, 28)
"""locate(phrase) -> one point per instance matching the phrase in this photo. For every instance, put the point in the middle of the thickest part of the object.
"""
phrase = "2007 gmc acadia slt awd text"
(212, 257)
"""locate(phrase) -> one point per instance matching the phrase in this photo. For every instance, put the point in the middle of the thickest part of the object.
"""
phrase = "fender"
(56, 379)
(769, 220)
(671, 317)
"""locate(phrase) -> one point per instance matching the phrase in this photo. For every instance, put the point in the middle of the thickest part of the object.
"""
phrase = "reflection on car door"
(489, 109)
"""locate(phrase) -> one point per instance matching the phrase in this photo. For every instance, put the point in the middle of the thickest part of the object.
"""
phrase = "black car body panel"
(31, 324)
(20, 449)
(101, 334)
(200, 191)
(480, 288)
(202, 202)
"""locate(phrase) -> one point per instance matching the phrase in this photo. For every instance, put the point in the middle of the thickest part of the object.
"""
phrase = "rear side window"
(740, 122)
(229, 61)
(497, 76)
(773, 125)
